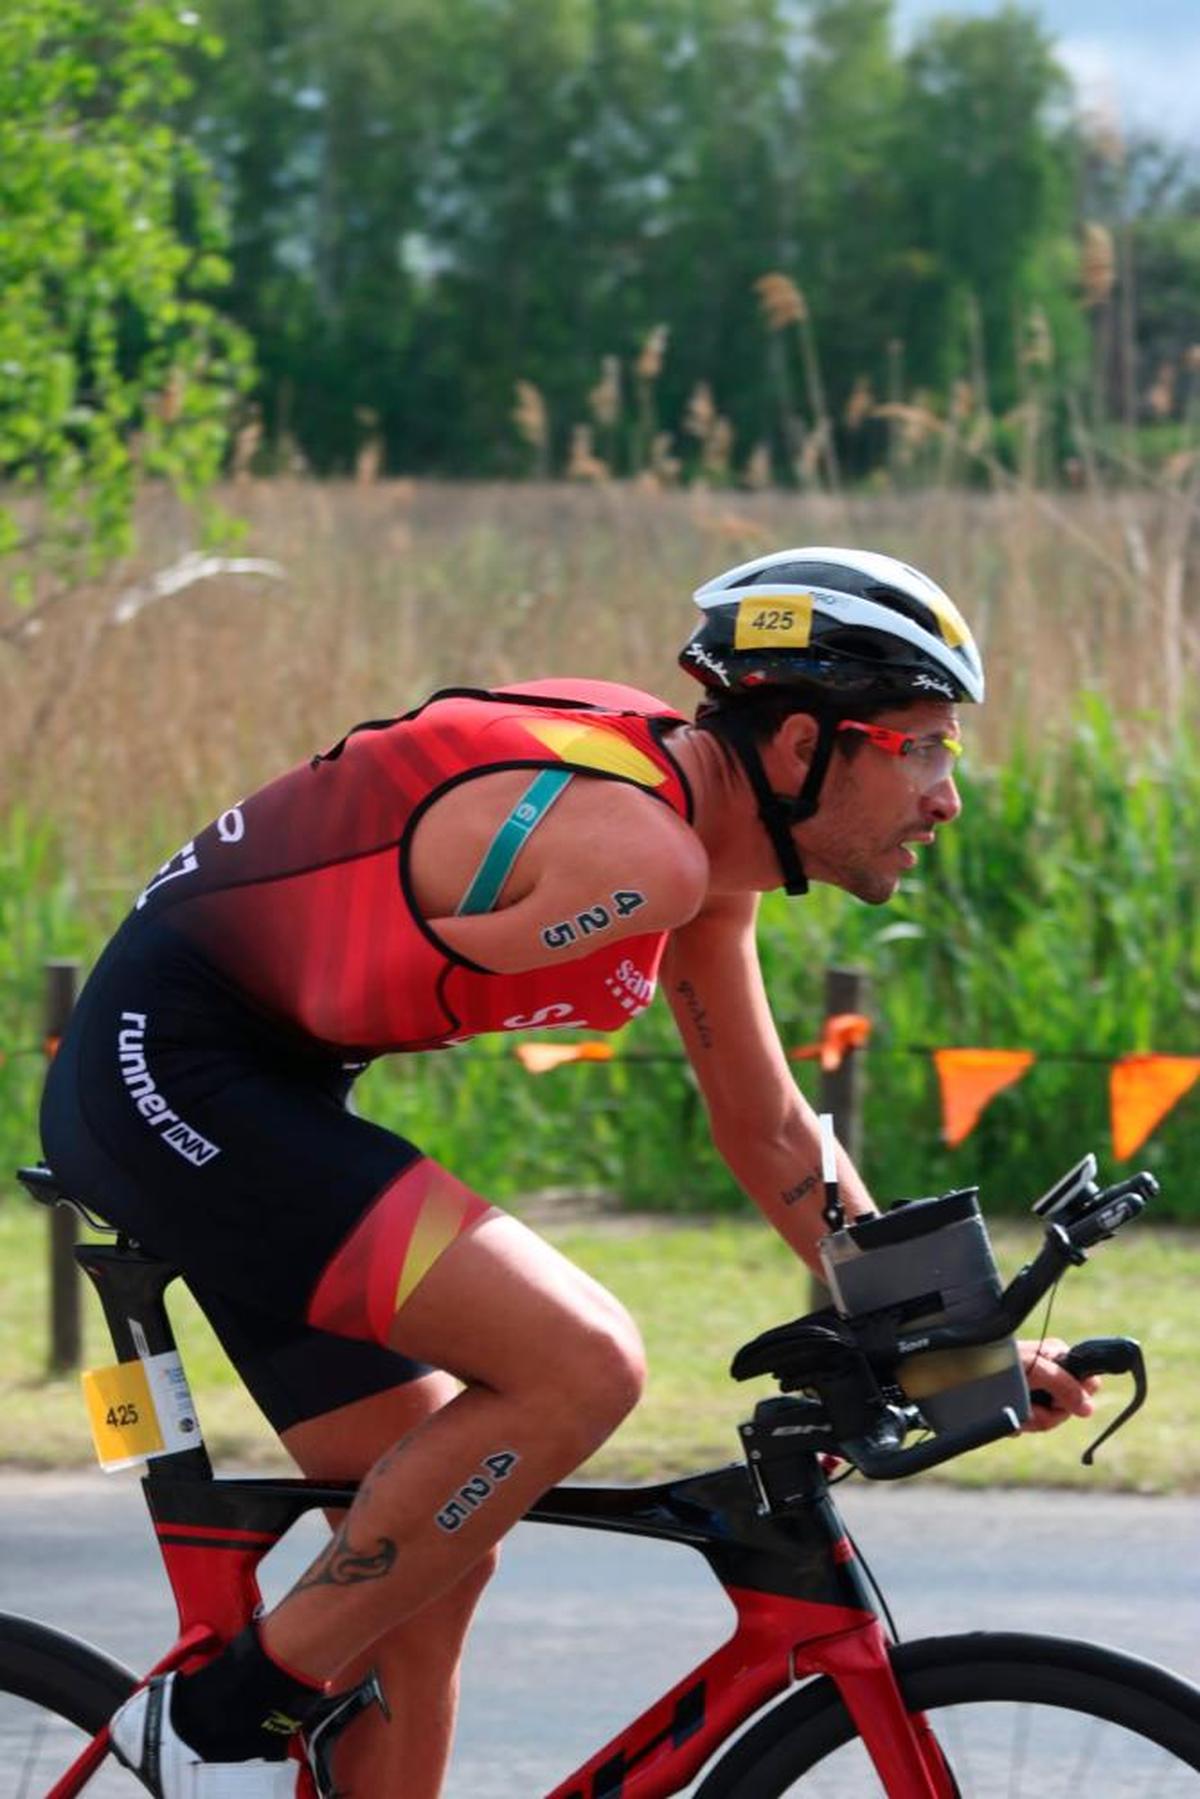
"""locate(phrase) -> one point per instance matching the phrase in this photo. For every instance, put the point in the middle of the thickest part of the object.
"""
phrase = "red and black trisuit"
(198, 1099)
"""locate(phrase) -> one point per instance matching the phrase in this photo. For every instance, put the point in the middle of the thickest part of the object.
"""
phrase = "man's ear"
(796, 740)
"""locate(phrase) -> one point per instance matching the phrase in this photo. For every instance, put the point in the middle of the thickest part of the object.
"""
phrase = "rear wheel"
(55, 1694)
(1016, 1717)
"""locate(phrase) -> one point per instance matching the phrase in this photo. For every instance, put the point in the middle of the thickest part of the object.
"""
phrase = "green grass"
(698, 1291)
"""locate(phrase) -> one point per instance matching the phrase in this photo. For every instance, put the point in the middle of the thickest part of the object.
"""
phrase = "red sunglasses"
(905, 743)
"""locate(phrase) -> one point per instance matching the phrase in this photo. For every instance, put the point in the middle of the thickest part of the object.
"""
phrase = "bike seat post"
(131, 1288)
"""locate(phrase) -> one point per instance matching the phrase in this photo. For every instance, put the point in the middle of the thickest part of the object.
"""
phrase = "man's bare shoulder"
(601, 839)
(615, 829)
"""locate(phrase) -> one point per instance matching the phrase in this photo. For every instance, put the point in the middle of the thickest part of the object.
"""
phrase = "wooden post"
(846, 990)
(62, 986)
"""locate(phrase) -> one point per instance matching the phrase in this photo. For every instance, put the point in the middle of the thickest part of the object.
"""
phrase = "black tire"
(1136, 1729)
(55, 1693)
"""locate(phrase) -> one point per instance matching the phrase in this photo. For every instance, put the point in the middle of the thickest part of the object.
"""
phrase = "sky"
(1139, 57)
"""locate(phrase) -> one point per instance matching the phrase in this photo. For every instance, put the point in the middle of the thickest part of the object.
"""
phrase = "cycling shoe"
(144, 1739)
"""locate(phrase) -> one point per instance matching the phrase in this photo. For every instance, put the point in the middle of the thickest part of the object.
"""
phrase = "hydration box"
(931, 1260)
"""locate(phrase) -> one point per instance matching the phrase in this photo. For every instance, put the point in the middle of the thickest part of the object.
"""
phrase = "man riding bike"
(534, 856)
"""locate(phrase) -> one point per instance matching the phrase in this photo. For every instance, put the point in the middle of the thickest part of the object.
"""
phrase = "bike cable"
(874, 1585)
(1050, 1299)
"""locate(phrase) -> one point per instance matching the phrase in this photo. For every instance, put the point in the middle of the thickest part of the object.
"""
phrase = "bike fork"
(902, 1746)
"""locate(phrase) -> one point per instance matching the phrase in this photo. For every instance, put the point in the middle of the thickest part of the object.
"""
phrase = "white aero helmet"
(853, 624)
(845, 630)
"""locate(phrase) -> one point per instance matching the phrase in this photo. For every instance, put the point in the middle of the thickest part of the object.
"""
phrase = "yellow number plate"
(773, 621)
(140, 1409)
(122, 1414)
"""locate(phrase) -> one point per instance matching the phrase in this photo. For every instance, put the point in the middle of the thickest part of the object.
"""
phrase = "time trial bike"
(811, 1694)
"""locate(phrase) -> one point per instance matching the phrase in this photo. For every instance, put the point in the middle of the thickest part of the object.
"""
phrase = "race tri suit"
(198, 1100)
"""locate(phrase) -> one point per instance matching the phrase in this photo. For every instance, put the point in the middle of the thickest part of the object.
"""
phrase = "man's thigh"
(316, 1388)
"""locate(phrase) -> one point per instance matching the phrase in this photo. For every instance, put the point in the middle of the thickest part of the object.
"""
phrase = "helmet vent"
(867, 646)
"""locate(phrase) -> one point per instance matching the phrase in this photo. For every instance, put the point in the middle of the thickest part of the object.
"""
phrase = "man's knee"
(599, 1367)
(625, 1363)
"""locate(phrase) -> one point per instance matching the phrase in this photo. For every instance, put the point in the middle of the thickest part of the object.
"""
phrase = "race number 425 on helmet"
(849, 621)
(844, 629)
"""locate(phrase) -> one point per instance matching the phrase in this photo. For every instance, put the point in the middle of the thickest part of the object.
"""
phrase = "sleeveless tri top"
(300, 897)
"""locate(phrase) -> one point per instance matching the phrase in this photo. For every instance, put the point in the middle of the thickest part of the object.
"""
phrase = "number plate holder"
(140, 1409)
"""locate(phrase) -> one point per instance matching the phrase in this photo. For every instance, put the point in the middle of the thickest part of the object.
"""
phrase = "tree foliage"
(985, 165)
(431, 200)
(114, 364)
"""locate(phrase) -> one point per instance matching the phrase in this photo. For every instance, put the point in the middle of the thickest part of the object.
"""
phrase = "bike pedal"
(327, 1724)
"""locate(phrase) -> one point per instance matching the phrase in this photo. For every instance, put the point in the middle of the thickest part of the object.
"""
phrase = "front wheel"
(55, 1694)
(1015, 1716)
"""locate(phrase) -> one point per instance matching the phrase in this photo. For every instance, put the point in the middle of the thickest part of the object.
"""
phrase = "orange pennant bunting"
(1141, 1091)
(969, 1079)
(540, 1058)
(842, 1032)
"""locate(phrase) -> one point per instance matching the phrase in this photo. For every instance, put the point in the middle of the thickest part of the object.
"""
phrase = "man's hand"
(1069, 1398)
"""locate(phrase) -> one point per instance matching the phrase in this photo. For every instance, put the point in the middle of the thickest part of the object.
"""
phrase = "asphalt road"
(580, 1631)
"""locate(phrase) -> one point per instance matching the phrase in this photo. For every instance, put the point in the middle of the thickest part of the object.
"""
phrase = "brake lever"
(1105, 1355)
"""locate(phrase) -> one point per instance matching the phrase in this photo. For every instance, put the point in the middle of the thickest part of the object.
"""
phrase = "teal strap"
(510, 839)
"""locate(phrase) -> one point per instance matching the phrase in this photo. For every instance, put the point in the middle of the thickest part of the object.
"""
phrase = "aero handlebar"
(848, 1366)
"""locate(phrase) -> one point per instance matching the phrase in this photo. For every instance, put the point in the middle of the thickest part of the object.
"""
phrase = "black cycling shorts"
(176, 1114)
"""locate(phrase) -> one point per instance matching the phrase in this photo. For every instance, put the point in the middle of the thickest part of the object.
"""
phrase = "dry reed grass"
(129, 735)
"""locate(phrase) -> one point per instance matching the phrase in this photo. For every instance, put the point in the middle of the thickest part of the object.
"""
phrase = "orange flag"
(1141, 1091)
(539, 1058)
(843, 1032)
(969, 1079)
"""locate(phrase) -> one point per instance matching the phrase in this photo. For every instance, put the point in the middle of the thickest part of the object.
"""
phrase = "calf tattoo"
(344, 1565)
(492, 1470)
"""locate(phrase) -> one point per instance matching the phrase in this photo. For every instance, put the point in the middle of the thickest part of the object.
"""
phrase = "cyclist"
(533, 856)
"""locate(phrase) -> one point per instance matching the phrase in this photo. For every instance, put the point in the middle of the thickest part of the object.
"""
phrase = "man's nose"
(942, 803)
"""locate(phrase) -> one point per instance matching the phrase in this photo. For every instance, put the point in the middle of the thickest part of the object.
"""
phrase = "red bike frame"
(800, 1600)
(802, 1604)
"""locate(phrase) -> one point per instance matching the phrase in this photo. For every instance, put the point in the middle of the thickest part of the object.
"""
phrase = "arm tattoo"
(697, 1014)
(793, 1195)
(342, 1565)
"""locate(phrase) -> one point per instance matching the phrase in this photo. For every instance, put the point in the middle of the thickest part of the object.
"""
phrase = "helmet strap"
(777, 812)
(809, 796)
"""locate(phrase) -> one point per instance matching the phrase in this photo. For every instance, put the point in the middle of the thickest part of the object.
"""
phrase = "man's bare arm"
(761, 1123)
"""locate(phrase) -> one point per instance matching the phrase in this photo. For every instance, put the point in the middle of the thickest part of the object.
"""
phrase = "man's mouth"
(908, 852)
